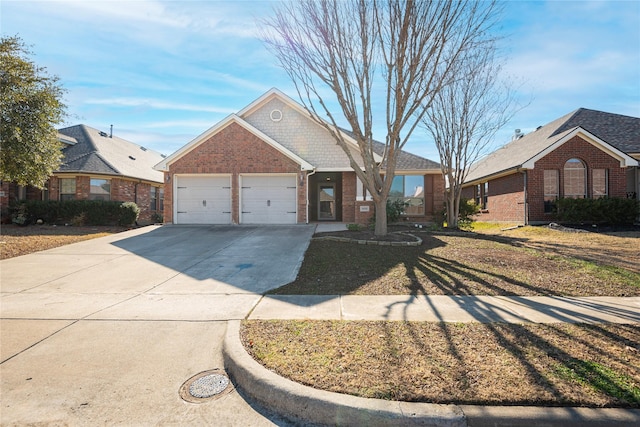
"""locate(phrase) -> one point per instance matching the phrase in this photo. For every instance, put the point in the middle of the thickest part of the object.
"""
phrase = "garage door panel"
(203, 200)
(269, 199)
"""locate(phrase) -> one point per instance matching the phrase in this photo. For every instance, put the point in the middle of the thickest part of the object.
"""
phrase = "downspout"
(307, 204)
(526, 199)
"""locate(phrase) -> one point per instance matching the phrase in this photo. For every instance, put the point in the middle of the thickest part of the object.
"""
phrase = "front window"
(600, 183)
(575, 179)
(409, 189)
(485, 195)
(161, 199)
(551, 188)
(100, 189)
(67, 189)
(153, 198)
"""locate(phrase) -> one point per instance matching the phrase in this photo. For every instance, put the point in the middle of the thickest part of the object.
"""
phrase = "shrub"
(611, 211)
(129, 212)
(468, 209)
(395, 209)
(77, 212)
(157, 218)
(20, 215)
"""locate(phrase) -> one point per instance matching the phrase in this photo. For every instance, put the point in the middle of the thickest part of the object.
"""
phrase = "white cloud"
(178, 124)
(157, 104)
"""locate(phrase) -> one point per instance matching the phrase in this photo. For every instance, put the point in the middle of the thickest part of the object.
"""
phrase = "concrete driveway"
(106, 331)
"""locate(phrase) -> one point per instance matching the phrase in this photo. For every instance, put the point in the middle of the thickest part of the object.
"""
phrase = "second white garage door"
(268, 199)
(203, 199)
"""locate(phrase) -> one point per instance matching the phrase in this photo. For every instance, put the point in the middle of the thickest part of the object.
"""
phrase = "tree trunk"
(381, 218)
(452, 210)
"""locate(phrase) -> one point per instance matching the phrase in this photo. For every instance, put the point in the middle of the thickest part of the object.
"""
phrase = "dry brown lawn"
(16, 240)
(529, 261)
(473, 363)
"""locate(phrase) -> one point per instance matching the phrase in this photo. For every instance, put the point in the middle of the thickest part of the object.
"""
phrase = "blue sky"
(162, 72)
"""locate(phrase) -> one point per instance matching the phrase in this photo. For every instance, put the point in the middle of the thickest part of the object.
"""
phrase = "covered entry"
(325, 196)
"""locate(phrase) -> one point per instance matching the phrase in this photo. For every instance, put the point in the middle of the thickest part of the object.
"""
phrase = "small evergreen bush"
(395, 209)
(468, 209)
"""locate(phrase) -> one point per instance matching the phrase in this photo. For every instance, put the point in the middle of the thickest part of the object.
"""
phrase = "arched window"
(575, 179)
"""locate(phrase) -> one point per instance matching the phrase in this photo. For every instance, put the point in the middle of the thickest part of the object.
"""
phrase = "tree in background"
(364, 52)
(465, 116)
(30, 107)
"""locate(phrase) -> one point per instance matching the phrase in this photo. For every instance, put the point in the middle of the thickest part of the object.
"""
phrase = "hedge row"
(612, 211)
(76, 212)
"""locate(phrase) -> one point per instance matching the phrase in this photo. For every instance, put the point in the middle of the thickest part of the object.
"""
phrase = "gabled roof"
(297, 135)
(95, 152)
(622, 132)
(311, 139)
(596, 127)
(164, 164)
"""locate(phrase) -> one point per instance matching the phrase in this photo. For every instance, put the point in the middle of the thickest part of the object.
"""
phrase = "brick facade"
(349, 197)
(506, 194)
(234, 150)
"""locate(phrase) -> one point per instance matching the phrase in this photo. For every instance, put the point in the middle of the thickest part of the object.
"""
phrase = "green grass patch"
(600, 378)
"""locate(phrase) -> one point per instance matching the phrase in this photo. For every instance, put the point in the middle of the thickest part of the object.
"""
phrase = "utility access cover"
(206, 386)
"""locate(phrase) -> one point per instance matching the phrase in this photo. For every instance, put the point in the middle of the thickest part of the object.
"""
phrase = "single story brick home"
(271, 163)
(99, 166)
(584, 154)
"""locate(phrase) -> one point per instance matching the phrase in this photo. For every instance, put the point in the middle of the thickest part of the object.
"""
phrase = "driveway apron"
(107, 330)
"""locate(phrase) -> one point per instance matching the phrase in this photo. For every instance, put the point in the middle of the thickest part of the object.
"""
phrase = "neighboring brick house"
(97, 165)
(271, 163)
(585, 154)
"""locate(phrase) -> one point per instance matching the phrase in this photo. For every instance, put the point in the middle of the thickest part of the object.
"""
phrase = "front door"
(326, 202)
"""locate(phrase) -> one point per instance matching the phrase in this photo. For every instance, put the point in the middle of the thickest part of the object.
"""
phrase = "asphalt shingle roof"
(621, 132)
(405, 161)
(96, 152)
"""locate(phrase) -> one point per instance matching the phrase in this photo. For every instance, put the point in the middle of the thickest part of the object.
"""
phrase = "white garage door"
(268, 199)
(203, 199)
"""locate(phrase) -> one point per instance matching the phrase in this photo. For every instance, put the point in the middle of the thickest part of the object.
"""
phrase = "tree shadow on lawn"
(445, 265)
(559, 364)
(535, 363)
(614, 249)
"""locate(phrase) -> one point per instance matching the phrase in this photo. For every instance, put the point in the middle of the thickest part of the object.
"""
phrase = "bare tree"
(404, 49)
(465, 116)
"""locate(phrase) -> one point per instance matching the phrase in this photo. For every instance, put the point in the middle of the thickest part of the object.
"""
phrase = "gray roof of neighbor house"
(97, 153)
(621, 132)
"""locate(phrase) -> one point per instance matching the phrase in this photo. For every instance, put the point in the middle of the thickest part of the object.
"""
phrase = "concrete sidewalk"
(443, 308)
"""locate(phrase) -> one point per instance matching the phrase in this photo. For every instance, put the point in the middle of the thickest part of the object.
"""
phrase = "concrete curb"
(302, 403)
(311, 406)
